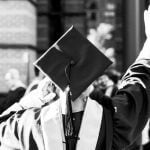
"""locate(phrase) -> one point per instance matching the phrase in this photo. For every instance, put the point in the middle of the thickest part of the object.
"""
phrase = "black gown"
(126, 114)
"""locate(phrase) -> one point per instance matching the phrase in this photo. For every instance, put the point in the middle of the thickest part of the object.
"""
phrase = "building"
(29, 27)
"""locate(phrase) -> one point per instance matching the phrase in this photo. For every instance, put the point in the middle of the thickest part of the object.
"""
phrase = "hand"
(43, 88)
(145, 52)
(147, 22)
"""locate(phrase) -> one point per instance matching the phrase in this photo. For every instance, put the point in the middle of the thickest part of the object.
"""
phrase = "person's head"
(11, 77)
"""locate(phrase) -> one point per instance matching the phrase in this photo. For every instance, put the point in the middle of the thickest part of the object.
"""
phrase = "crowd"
(78, 100)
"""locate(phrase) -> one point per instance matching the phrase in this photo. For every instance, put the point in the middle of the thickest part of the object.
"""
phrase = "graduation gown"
(106, 124)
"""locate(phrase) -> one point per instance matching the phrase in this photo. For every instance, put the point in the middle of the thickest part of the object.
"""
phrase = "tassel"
(71, 138)
(69, 129)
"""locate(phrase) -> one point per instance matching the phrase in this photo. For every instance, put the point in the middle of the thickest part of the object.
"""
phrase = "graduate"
(80, 120)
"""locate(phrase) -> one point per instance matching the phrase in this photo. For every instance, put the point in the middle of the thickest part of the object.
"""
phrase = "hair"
(36, 71)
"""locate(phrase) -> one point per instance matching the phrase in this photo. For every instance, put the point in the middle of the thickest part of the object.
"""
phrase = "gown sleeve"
(131, 104)
(21, 130)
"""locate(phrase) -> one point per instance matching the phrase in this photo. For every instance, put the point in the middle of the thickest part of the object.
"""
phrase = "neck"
(78, 104)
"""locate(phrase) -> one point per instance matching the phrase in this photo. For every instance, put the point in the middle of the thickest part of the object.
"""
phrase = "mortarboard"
(74, 55)
(72, 61)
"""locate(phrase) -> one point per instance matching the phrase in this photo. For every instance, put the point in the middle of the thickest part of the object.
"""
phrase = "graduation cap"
(73, 61)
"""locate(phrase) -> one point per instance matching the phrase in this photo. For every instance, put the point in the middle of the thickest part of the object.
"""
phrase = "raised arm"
(132, 101)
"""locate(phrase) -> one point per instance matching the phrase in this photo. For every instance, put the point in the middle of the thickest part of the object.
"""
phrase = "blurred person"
(107, 83)
(85, 123)
(105, 31)
(114, 75)
(16, 89)
(100, 35)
